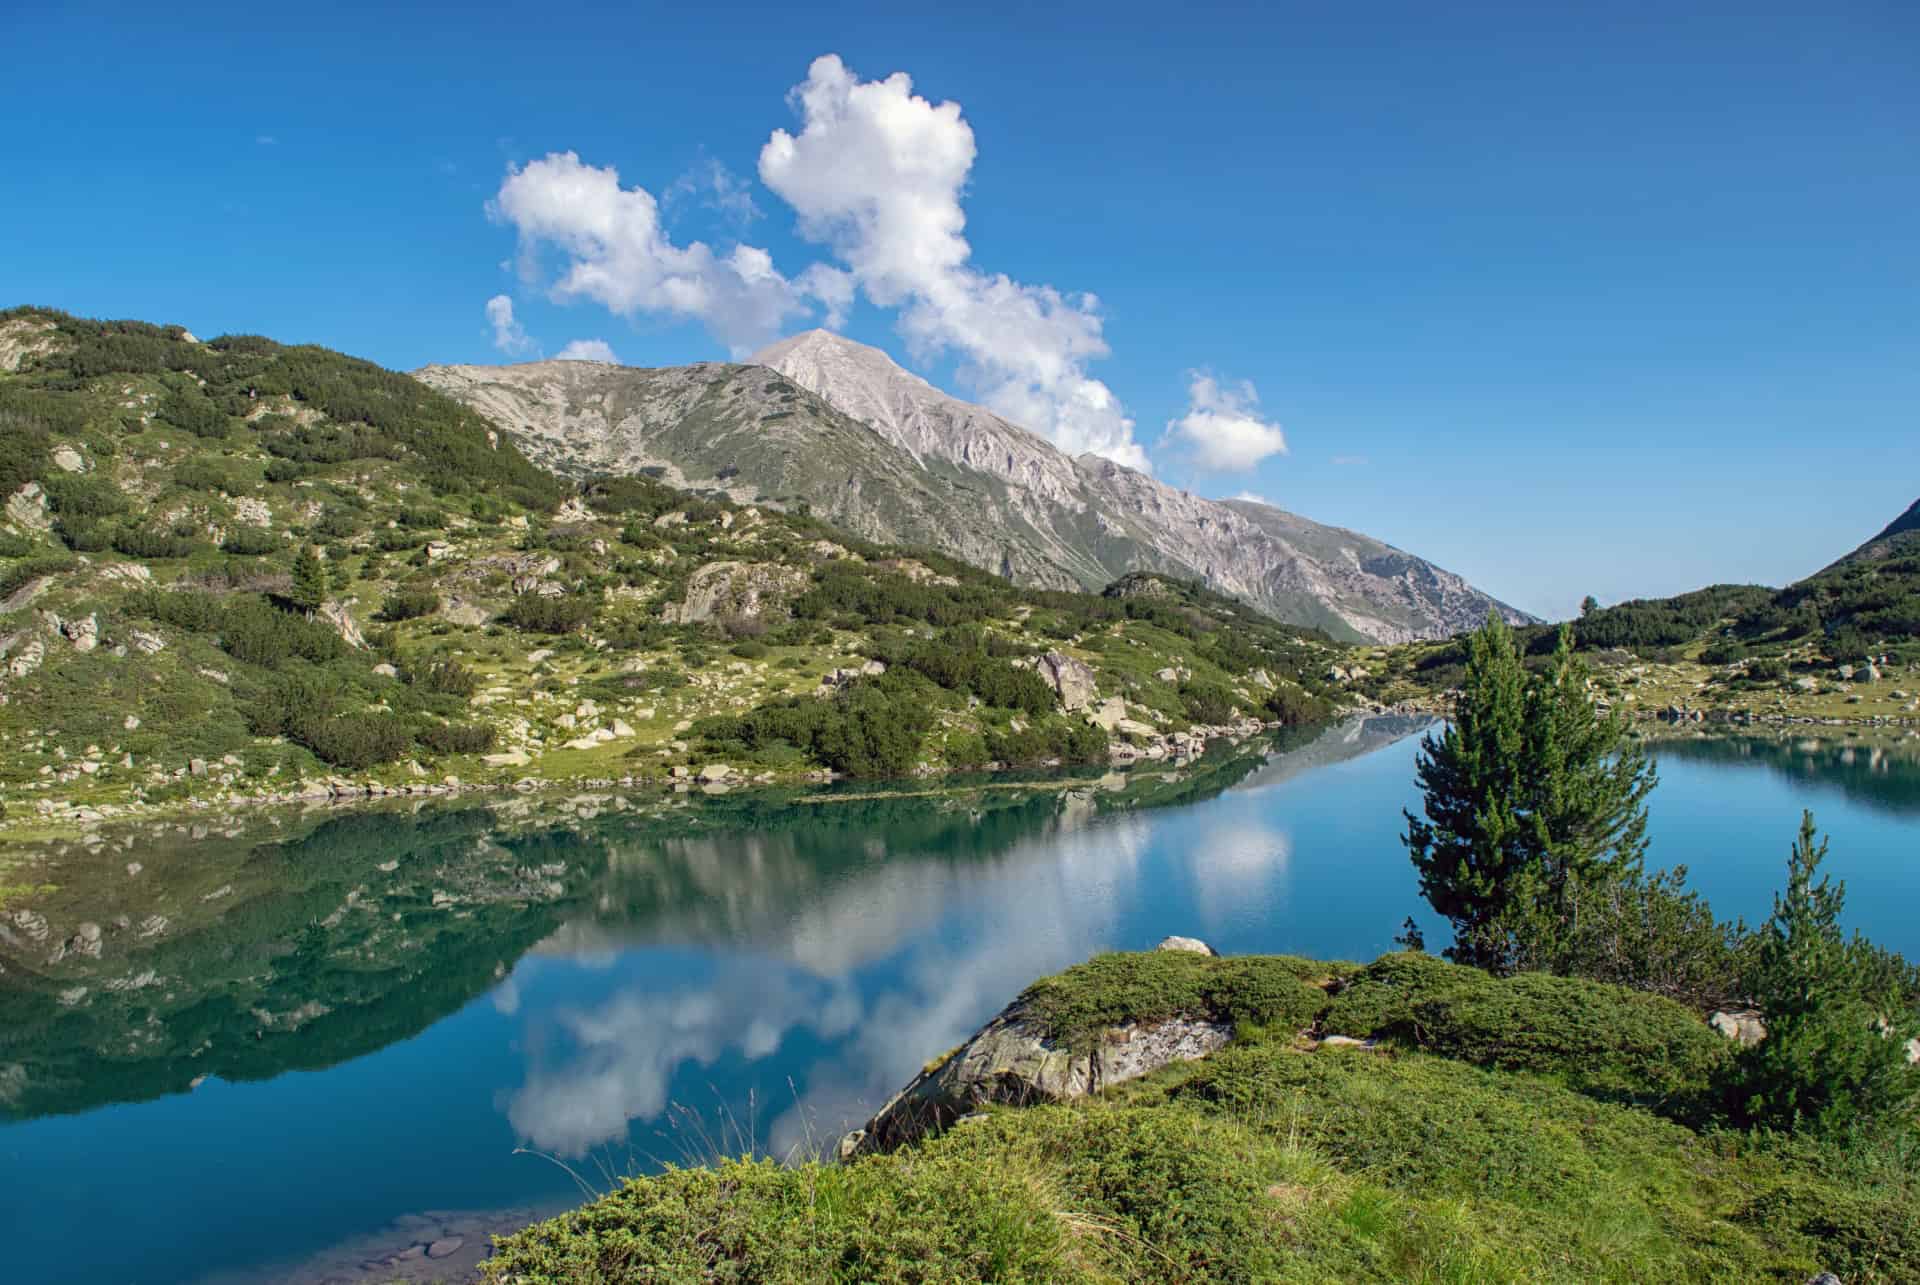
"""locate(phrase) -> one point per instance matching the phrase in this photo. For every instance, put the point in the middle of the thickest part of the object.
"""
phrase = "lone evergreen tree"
(1531, 796)
(309, 588)
(1835, 1052)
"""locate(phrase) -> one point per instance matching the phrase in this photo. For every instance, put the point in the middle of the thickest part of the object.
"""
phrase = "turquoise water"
(472, 1009)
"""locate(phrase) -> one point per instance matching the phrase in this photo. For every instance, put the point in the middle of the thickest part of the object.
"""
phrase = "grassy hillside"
(1843, 643)
(238, 569)
(1532, 1129)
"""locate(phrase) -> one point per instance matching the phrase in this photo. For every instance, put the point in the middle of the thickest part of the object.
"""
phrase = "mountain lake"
(348, 1045)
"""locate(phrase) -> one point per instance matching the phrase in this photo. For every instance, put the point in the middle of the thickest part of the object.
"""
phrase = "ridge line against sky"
(877, 174)
(1577, 301)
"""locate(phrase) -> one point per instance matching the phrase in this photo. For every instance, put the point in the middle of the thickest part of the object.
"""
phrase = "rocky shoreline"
(51, 816)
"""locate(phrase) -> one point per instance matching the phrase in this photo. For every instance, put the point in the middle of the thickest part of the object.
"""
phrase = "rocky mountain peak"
(882, 452)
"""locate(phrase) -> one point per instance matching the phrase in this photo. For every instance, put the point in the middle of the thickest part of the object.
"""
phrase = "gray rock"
(744, 591)
(1012, 1060)
(446, 1247)
(334, 613)
(1746, 1026)
(1193, 944)
(1071, 679)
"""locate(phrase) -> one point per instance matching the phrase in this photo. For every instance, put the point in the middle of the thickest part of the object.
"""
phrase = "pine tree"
(1835, 1055)
(1468, 847)
(1532, 798)
(309, 588)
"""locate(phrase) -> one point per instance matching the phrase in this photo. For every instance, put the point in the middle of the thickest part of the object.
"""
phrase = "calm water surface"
(289, 1040)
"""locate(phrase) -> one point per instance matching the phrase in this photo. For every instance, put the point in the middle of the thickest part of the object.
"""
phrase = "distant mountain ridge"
(838, 425)
(1901, 533)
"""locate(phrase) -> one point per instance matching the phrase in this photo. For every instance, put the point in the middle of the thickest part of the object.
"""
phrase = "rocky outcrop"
(1070, 679)
(736, 591)
(1014, 1060)
(27, 508)
(879, 451)
(25, 338)
(334, 613)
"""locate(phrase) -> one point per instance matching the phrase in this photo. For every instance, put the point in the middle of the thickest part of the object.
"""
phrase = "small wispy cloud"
(1223, 425)
(265, 140)
(588, 350)
(1252, 497)
(509, 336)
(717, 188)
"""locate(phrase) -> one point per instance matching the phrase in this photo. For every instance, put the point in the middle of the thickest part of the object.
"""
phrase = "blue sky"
(1602, 298)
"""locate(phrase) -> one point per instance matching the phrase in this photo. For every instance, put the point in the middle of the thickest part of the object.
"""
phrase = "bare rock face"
(27, 508)
(1012, 1060)
(1191, 944)
(335, 614)
(879, 451)
(1069, 677)
(737, 591)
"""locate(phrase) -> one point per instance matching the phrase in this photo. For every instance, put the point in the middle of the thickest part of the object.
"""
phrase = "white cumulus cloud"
(876, 173)
(509, 336)
(587, 350)
(1223, 425)
(617, 254)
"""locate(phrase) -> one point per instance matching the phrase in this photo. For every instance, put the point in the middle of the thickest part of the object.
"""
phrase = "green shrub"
(191, 411)
(966, 750)
(457, 738)
(1601, 1039)
(1109, 990)
(249, 541)
(212, 475)
(355, 742)
(85, 535)
(1207, 702)
(1070, 740)
(146, 542)
(1294, 705)
(444, 678)
(256, 632)
(84, 495)
(870, 728)
(749, 649)
(539, 615)
(409, 605)
(19, 573)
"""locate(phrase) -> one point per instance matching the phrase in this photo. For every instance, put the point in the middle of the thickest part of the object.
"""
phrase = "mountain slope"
(880, 451)
(1902, 535)
(240, 570)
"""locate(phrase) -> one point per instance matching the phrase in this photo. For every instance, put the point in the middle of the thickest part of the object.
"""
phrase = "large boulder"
(1017, 1060)
(744, 591)
(334, 614)
(1070, 678)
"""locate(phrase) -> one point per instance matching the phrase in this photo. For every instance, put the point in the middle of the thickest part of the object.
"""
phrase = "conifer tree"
(309, 588)
(1835, 1055)
(1532, 797)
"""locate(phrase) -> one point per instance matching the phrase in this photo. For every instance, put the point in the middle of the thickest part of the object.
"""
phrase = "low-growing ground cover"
(1486, 1138)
